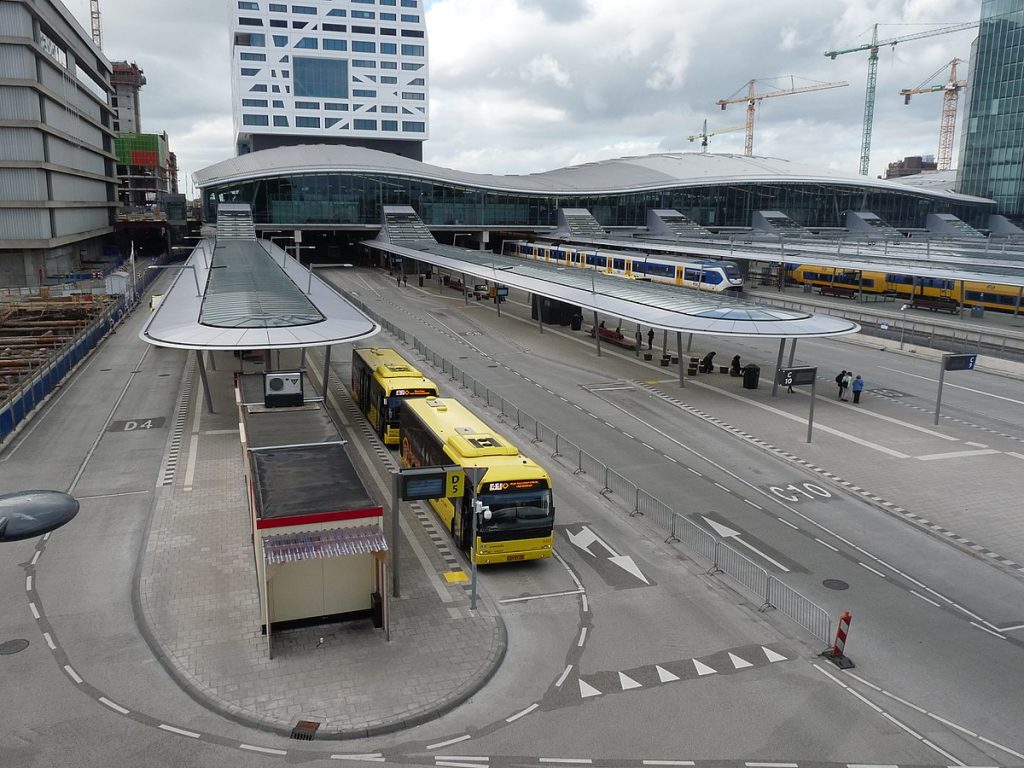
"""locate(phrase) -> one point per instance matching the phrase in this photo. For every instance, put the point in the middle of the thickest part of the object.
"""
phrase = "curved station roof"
(624, 174)
(659, 306)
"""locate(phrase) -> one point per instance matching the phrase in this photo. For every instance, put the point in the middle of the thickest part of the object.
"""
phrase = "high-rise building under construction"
(330, 72)
(992, 147)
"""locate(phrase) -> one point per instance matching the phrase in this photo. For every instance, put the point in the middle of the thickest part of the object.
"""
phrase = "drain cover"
(305, 730)
(12, 646)
(837, 584)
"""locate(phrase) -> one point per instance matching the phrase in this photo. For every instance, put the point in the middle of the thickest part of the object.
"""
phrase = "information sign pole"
(810, 415)
(474, 475)
(394, 533)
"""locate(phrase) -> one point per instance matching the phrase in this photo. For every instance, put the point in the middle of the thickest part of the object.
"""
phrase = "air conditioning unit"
(282, 389)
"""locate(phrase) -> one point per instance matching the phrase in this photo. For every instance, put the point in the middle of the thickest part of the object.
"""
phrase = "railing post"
(556, 453)
(606, 489)
(536, 432)
(579, 462)
(636, 503)
(672, 535)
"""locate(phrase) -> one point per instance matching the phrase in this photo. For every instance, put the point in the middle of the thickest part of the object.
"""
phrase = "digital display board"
(421, 483)
(421, 392)
(515, 485)
(794, 377)
(959, 362)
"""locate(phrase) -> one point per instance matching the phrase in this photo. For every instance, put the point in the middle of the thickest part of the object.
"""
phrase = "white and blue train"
(712, 276)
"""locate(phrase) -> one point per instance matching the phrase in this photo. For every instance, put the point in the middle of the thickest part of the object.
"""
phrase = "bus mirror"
(487, 513)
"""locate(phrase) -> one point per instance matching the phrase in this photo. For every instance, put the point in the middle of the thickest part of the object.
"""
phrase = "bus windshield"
(511, 510)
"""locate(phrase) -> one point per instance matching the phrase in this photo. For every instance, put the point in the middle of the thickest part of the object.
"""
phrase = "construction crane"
(94, 17)
(752, 98)
(869, 93)
(704, 135)
(950, 100)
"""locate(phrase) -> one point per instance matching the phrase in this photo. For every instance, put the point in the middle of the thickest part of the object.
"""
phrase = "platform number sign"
(959, 362)
(795, 377)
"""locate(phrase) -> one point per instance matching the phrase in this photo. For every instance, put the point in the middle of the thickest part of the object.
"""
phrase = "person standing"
(857, 386)
(650, 338)
(839, 383)
(847, 380)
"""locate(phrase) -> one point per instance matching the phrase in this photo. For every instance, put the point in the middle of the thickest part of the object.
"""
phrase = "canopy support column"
(597, 334)
(327, 369)
(679, 356)
(792, 351)
(778, 365)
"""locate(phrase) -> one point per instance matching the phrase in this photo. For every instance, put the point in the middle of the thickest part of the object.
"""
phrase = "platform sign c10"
(959, 362)
(795, 377)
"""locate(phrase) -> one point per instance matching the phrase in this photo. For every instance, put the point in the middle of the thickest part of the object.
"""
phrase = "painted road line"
(986, 629)
(112, 705)
(474, 758)
(583, 637)
(35, 611)
(456, 740)
(28, 583)
(179, 731)
(35, 557)
(952, 725)
(956, 455)
(521, 713)
(264, 750)
(72, 674)
(456, 764)
(1000, 746)
(541, 597)
(771, 765)
(906, 728)
(723, 487)
(566, 760)
(565, 674)
(586, 604)
(927, 600)
(49, 641)
(972, 615)
(698, 474)
(1015, 454)
(781, 520)
(668, 762)
(754, 505)
(868, 567)
(942, 752)
(375, 757)
(826, 544)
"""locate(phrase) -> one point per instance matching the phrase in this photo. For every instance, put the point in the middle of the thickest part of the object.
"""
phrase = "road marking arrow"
(587, 690)
(739, 663)
(702, 668)
(772, 656)
(728, 533)
(586, 537)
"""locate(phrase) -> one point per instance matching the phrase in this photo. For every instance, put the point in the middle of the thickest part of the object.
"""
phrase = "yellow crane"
(950, 101)
(94, 17)
(752, 98)
(704, 135)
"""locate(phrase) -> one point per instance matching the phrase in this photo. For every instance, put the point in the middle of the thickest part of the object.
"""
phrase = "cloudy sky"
(520, 86)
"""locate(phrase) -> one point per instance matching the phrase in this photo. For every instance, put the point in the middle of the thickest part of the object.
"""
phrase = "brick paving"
(199, 608)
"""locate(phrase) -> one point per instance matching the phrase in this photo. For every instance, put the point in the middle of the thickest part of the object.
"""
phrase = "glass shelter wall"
(354, 199)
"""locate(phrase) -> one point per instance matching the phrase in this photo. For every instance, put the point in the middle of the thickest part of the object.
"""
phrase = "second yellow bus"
(381, 380)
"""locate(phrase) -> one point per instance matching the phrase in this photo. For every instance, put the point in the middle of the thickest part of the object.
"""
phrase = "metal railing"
(629, 496)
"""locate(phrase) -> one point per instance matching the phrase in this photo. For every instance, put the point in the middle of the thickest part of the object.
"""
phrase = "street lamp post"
(903, 322)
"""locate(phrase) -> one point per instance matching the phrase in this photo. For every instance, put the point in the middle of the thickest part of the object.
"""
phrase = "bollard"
(835, 654)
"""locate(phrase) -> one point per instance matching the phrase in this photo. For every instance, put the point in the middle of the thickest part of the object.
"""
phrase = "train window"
(661, 270)
(619, 264)
(691, 275)
(713, 276)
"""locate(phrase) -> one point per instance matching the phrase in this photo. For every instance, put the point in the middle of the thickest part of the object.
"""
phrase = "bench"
(837, 290)
(936, 304)
(614, 337)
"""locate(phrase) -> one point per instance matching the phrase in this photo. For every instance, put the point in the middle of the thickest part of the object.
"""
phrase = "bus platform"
(198, 606)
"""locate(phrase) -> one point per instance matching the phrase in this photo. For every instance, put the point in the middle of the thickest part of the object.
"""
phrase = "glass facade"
(992, 152)
(356, 199)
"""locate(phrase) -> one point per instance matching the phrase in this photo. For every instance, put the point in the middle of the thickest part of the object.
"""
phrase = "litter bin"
(977, 311)
(421, 281)
(751, 375)
(576, 322)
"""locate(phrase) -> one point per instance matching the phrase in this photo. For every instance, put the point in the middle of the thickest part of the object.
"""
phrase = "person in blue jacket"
(857, 387)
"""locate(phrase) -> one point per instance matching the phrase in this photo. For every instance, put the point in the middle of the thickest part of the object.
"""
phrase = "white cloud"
(519, 86)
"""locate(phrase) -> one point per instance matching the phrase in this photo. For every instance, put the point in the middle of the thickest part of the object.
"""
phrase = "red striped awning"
(314, 545)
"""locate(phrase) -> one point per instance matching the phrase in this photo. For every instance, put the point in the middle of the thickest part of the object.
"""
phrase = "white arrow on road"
(728, 533)
(586, 537)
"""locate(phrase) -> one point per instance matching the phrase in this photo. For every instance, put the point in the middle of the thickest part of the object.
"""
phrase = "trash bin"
(977, 311)
(751, 375)
(576, 322)
(421, 281)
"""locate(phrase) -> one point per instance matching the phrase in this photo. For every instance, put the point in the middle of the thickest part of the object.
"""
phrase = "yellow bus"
(381, 380)
(439, 431)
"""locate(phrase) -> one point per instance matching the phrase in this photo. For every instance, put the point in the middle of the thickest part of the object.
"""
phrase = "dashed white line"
(561, 677)
(781, 519)
(986, 629)
(474, 758)
(456, 764)
(826, 544)
(264, 750)
(1000, 746)
(566, 760)
(668, 762)
(375, 757)
(72, 674)
(624, 434)
(35, 557)
(670, 458)
(522, 713)
(868, 567)
(586, 604)
(112, 705)
(456, 740)
(541, 597)
(926, 599)
(691, 469)
(771, 765)
(645, 445)
(35, 611)
(723, 487)
(28, 583)
(179, 731)
(49, 641)
(757, 506)
(583, 637)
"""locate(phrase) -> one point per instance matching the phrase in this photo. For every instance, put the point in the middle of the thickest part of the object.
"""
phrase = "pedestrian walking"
(639, 341)
(650, 338)
(857, 386)
(839, 383)
(847, 380)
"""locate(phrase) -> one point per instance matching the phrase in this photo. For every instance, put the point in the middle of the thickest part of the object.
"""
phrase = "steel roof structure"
(658, 306)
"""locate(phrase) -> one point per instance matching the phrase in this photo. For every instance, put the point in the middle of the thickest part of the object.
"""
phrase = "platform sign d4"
(795, 377)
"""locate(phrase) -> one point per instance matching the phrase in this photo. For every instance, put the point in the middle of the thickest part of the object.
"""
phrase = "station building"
(338, 189)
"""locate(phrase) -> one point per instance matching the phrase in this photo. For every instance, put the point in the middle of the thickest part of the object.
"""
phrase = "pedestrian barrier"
(772, 592)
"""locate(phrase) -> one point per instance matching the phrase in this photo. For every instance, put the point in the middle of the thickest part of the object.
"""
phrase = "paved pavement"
(197, 599)
(198, 605)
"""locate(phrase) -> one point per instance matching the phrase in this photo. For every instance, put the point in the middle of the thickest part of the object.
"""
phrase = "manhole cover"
(837, 584)
(12, 646)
